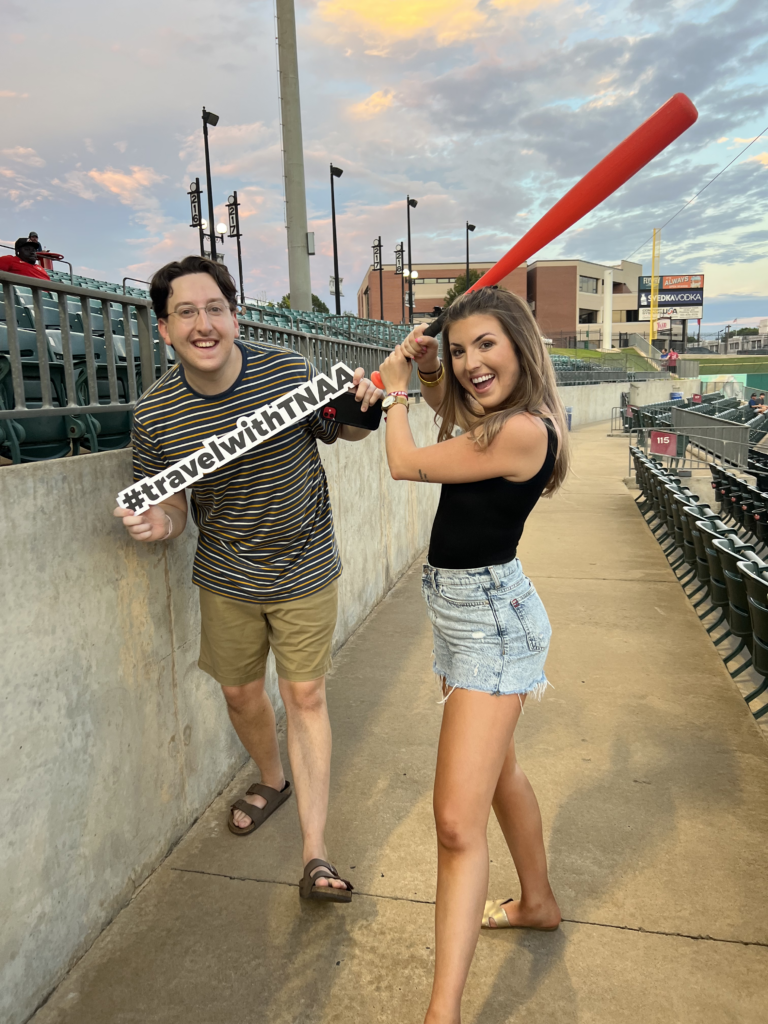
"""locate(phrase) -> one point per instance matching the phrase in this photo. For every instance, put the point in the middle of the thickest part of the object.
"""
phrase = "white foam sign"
(251, 431)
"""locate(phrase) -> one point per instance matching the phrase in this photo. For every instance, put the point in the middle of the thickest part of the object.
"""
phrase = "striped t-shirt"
(265, 520)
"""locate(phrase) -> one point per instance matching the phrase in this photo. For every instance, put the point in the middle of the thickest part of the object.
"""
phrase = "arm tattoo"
(423, 476)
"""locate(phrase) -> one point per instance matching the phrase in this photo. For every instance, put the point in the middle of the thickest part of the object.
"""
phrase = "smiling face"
(205, 341)
(484, 360)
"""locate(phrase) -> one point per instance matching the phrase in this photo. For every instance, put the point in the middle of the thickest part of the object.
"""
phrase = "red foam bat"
(654, 135)
(651, 138)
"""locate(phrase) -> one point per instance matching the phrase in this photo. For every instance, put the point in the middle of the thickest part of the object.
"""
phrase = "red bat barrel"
(638, 149)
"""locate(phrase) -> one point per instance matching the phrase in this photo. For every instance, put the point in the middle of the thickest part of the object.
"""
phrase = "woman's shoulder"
(524, 431)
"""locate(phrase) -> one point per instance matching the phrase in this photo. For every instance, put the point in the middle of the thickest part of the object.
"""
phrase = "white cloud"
(24, 155)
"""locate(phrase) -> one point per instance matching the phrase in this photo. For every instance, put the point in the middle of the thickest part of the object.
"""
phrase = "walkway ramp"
(653, 781)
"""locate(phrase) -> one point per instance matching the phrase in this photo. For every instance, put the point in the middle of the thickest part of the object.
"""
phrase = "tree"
(460, 285)
(318, 306)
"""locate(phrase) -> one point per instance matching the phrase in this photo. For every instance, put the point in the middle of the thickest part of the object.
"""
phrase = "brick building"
(565, 296)
(429, 289)
(568, 295)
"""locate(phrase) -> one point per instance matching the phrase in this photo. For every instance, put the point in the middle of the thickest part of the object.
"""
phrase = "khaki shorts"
(236, 636)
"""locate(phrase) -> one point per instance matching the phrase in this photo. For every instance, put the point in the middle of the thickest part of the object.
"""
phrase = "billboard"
(684, 297)
(672, 313)
(672, 281)
(679, 297)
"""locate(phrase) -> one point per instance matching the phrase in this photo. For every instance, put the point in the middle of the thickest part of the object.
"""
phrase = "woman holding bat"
(495, 383)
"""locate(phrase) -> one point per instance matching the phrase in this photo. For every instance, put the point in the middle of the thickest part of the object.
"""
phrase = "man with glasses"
(266, 563)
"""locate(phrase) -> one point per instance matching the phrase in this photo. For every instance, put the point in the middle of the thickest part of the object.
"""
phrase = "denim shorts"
(491, 631)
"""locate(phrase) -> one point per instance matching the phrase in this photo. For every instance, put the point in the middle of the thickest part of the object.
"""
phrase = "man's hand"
(396, 370)
(422, 349)
(365, 390)
(151, 525)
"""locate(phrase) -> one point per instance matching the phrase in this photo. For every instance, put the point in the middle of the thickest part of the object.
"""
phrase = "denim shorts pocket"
(533, 620)
(463, 597)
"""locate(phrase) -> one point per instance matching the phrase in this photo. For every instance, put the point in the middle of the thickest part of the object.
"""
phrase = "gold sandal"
(494, 911)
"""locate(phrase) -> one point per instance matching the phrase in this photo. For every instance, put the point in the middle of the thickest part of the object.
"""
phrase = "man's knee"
(242, 698)
(303, 698)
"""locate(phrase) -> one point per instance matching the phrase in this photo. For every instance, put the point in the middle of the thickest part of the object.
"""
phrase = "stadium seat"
(733, 550)
(37, 438)
(755, 579)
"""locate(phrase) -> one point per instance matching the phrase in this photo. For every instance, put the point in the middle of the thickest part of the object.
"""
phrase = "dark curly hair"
(160, 285)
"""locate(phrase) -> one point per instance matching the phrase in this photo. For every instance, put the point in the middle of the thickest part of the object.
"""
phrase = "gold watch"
(391, 400)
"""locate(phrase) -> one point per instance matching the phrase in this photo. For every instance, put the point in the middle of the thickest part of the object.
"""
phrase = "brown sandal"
(258, 815)
(309, 891)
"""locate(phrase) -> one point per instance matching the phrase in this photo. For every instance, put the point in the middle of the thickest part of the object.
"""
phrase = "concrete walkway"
(653, 781)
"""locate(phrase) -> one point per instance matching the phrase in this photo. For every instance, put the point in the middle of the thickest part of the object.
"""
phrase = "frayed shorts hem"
(535, 690)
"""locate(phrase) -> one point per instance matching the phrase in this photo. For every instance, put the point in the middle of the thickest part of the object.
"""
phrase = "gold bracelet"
(432, 383)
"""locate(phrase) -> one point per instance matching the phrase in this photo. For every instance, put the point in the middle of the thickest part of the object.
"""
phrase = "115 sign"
(665, 443)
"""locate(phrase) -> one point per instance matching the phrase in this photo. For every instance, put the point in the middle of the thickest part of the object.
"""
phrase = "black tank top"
(481, 523)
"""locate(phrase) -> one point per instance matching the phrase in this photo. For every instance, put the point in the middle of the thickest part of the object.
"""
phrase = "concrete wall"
(113, 741)
(594, 402)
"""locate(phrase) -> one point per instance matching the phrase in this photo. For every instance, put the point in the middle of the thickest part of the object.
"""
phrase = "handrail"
(139, 280)
(54, 347)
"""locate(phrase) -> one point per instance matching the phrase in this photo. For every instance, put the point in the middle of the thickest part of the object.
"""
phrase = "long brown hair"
(535, 392)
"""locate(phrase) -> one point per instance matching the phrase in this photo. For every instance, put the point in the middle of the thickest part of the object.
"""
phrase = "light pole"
(234, 232)
(377, 266)
(411, 278)
(470, 227)
(212, 120)
(410, 203)
(399, 270)
(336, 172)
(197, 220)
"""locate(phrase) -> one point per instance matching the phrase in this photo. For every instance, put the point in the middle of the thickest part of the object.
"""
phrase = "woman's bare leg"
(474, 742)
(517, 811)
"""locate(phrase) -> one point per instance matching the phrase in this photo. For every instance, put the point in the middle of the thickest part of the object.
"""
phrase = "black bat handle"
(436, 326)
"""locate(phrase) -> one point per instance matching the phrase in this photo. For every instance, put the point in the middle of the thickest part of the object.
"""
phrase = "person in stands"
(672, 360)
(24, 262)
(35, 241)
(753, 402)
(491, 633)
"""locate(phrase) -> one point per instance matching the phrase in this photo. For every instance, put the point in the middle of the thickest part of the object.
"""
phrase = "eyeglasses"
(214, 310)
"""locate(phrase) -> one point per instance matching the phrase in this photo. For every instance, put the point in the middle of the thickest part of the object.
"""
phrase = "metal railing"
(114, 352)
(608, 375)
(75, 365)
(118, 347)
(720, 439)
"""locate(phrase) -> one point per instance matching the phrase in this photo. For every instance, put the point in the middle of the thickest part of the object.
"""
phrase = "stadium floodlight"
(336, 172)
(409, 205)
(213, 120)
(470, 227)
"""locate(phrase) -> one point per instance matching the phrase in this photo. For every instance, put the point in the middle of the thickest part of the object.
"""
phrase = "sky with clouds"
(486, 110)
